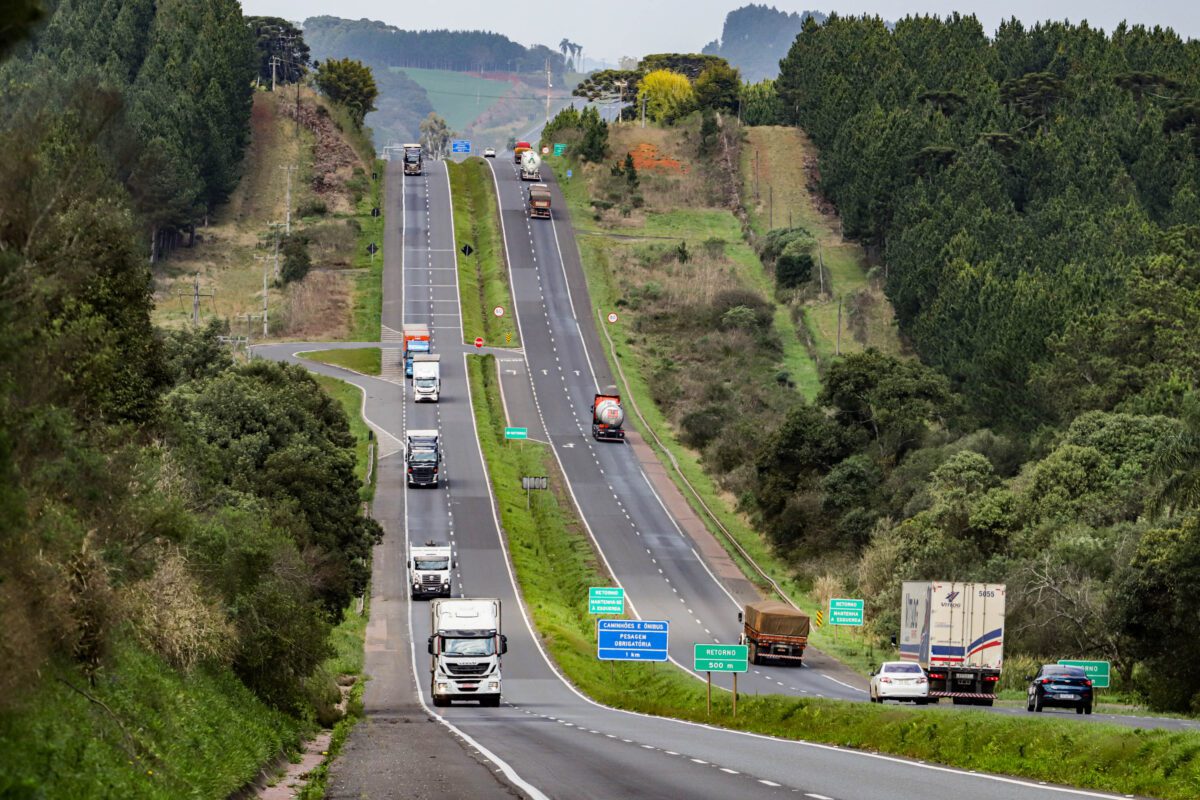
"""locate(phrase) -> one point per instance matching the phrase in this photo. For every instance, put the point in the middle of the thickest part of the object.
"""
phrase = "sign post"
(631, 639)
(528, 483)
(606, 600)
(710, 658)
(1099, 671)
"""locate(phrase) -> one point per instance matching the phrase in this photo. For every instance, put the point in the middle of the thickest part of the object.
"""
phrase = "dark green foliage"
(349, 84)
(19, 17)
(789, 252)
(296, 259)
(1023, 190)
(691, 65)
(584, 133)
(760, 104)
(620, 84)
(755, 37)
(277, 38)
(717, 87)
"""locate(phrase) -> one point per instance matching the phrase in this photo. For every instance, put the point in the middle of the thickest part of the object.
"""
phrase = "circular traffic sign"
(545, 150)
(612, 317)
(479, 341)
(498, 311)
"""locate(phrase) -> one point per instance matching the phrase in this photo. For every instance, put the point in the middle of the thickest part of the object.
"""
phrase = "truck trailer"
(539, 201)
(427, 377)
(608, 415)
(466, 647)
(518, 149)
(774, 631)
(422, 457)
(429, 570)
(531, 166)
(416, 340)
(955, 631)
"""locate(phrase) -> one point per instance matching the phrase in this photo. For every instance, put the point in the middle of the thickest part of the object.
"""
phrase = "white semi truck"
(427, 377)
(531, 166)
(466, 647)
(429, 570)
(955, 631)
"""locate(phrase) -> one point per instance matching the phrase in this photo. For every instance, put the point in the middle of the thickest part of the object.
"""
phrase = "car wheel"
(1037, 703)
(1078, 709)
(1029, 703)
(1087, 709)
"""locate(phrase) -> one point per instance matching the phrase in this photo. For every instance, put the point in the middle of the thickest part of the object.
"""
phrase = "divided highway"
(547, 740)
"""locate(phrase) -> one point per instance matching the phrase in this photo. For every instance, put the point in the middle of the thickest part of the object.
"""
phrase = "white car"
(489, 152)
(900, 680)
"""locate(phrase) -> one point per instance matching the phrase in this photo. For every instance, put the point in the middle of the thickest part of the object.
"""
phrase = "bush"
(312, 207)
(794, 266)
(296, 259)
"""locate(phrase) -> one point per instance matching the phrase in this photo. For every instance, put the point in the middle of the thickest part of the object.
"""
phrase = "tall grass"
(1129, 761)
(366, 314)
(483, 275)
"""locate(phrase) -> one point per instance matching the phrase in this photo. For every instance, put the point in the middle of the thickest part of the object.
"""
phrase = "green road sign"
(606, 600)
(516, 433)
(559, 148)
(843, 611)
(722, 657)
(1098, 671)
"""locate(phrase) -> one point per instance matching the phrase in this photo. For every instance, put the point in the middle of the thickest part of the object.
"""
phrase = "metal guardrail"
(675, 464)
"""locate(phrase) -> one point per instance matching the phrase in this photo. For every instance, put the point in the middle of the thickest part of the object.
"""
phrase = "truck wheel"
(988, 702)
(753, 653)
(441, 701)
(490, 702)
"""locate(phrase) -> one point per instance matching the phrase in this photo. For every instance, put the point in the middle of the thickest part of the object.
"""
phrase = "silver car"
(900, 680)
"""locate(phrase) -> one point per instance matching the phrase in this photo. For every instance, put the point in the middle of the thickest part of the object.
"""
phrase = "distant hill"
(756, 37)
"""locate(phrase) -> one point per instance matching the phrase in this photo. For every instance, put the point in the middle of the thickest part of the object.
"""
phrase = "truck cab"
(413, 159)
(411, 350)
(423, 457)
(466, 647)
(429, 570)
(427, 377)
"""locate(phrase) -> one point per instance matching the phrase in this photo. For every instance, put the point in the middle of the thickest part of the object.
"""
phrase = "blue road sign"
(568, 173)
(631, 640)
(460, 146)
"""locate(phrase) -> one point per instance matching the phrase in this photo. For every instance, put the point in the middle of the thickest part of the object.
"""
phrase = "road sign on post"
(516, 433)
(560, 148)
(631, 640)
(722, 657)
(479, 341)
(1099, 671)
(467, 249)
(843, 611)
(606, 600)
(460, 146)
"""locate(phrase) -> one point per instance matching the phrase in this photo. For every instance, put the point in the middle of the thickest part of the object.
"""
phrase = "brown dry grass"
(317, 308)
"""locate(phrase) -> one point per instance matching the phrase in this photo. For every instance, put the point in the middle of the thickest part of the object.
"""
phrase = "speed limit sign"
(498, 311)
(612, 317)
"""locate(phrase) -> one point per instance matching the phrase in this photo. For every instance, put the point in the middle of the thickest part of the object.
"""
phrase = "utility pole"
(266, 295)
(274, 61)
(643, 110)
(771, 207)
(195, 294)
(838, 351)
(547, 91)
(288, 201)
(275, 226)
(756, 194)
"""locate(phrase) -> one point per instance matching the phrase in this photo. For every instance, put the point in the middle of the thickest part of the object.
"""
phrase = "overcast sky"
(611, 28)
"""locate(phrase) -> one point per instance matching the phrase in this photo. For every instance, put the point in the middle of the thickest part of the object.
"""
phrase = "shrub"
(296, 259)
(312, 207)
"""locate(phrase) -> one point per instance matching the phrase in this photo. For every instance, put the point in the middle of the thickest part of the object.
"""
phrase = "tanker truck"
(607, 415)
(518, 149)
(531, 166)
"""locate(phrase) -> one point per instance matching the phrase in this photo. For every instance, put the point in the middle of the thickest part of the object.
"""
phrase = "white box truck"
(955, 631)
(429, 570)
(466, 646)
(427, 377)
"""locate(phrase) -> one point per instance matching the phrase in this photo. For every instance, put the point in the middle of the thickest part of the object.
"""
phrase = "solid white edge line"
(454, 248)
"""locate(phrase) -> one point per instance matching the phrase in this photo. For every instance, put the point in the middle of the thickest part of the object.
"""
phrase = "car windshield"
(1063, 672)
(469, 647)
(913, 669)
(423, 457)
(432, 563)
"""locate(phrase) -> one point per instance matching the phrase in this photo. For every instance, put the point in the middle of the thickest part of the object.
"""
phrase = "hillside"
(756, 37)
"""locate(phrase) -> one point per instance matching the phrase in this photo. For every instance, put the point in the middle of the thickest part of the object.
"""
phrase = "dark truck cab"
(423, 458)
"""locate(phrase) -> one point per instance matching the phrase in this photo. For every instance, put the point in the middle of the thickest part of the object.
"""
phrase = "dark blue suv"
(1063, 687)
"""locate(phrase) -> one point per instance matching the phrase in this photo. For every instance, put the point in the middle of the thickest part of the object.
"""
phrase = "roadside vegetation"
(483, 281)
(1047, 437)
(1092, 756)
(180, 531)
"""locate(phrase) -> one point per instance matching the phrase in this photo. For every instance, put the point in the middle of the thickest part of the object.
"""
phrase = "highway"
(547, 740)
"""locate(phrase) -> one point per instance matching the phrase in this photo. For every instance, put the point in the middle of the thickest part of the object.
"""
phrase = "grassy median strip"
(367, 360)
(482, 275)
(1123, 760)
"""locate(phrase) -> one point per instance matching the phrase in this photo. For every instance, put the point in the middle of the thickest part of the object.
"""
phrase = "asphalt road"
(546, 740)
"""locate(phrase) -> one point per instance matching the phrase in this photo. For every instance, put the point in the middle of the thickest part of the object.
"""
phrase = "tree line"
(152, 490)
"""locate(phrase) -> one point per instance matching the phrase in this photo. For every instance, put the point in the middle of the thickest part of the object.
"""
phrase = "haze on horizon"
(635, 28)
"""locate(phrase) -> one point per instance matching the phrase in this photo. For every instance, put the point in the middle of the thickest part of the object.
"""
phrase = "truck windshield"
(412, 158)
(469, 647)
(423, 456)
(432, 563)
(425, 383)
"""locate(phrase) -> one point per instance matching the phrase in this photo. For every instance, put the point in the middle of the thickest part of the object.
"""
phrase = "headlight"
(416, 584)
(493, 685)
(445, 583)
(441, 686)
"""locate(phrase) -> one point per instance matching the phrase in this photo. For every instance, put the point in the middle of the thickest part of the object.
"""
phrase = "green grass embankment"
(142, 730)
(1102, 757)
(366, 315)
(482, 276)
(367, 360)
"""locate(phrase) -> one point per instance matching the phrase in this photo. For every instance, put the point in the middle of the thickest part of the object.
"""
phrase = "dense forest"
(379, 44)
(1032, 200)
(155, 497)
(756, 37)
